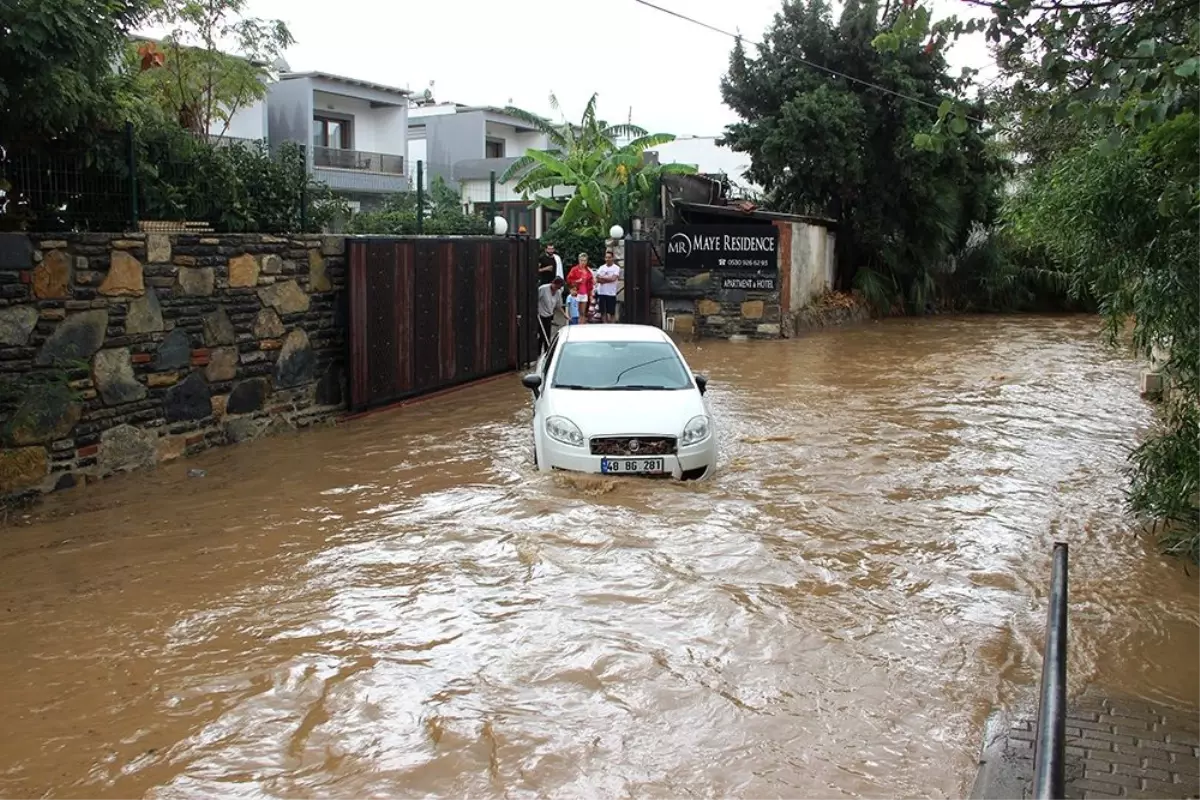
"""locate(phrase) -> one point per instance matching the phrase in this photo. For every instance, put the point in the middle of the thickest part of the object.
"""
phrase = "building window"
(329, 132)
(494, 148)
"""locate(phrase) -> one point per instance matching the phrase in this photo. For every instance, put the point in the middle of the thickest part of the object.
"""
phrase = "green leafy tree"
(832, 146)
(191, 77)
(1101, 104)
(56, 77)
(612, 181)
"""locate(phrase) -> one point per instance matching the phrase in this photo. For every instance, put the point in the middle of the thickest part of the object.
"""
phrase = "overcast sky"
(664, 71)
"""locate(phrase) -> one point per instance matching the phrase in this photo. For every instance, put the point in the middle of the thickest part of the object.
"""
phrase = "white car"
(620, 399)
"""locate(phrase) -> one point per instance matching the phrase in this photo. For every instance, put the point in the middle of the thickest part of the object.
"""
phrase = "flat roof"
(612, 333)
(379, 87)
(756, 213)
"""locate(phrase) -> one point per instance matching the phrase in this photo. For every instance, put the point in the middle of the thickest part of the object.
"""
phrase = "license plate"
(642, 466)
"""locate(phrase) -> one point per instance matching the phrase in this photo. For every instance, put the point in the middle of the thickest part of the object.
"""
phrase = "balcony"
(359, 171)
(336, 158)
(476, 169)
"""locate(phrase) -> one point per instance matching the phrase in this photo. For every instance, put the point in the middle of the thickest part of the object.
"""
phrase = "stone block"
(685, 323)
(16, 251)
(112, 372)
(190, 399)
(195, 281)
(218, 329)
(267, 325)
(76, 339)
(158, 248)
(125, 448)
(752, 309)
(46, 412)
(272, 264)
(144, 314)
(157, 380)
(248, 396)
(52, 277)
(285, 298)
(296, 360)
(16, 324)
(333, 245)
(124, 276)
(171, 448)
(714, 320)
(701, 281)
(22, 468)
(769, 328)
(175, 352)
(318, 280)
(222, 365)
(243, 271)
(708, 308)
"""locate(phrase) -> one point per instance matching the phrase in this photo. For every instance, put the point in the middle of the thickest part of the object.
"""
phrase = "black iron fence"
(121, 181)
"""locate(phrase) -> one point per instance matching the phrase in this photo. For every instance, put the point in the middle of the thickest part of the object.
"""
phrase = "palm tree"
(611, 179)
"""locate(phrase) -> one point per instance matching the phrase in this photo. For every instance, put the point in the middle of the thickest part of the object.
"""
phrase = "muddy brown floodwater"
(400, 606)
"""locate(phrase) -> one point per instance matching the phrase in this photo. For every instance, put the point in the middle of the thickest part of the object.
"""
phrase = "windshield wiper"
(638, 387)
(576, 387)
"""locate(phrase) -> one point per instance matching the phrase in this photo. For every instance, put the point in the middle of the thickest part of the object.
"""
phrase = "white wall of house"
(249, 122)
(373, 130)
(811, 261)
(416, 152)
(515, 142)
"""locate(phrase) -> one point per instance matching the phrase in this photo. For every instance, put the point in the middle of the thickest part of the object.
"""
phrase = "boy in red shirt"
(581, 277)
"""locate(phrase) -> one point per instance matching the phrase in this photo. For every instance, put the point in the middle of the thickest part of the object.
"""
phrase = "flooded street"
(401, 606)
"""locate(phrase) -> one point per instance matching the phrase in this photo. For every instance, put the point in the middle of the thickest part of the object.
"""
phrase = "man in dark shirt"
(550, 266)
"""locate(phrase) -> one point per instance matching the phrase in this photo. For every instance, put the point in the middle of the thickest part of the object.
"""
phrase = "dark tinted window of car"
(620, 365)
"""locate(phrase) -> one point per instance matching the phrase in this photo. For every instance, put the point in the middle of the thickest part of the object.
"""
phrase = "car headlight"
(563, 430)
(695, 432)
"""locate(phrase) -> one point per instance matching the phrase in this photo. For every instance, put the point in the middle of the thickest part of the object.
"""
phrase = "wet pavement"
(401, 606)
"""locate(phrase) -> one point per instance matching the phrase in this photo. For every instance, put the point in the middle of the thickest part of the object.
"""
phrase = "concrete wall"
(118, 351)
(809, 262)
(247, 123)
(450, 138)
(290, 112)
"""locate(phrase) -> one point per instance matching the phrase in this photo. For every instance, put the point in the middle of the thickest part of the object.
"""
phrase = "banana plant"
(610, 180)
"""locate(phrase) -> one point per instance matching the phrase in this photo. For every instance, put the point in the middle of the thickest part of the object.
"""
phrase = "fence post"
(420, 197)
(304, 190)
(492, 202)
(1048, 777)
(131, 163)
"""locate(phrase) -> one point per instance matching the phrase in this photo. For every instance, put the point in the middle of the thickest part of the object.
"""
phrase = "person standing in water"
(606, 287)
(580, 278)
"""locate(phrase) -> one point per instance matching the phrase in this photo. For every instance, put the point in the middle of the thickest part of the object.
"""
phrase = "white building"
(356, 131)
(465, 145)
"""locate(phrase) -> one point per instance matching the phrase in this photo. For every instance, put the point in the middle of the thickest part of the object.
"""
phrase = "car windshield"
(620, 365)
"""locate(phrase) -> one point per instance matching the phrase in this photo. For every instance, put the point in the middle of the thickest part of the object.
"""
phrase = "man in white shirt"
(607, 278)
(549, 301)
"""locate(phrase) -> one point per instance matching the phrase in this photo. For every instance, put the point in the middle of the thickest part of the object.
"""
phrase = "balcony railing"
(336, 158)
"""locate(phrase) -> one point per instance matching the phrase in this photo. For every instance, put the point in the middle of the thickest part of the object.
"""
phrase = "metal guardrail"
(1048, 780)
(337, 158)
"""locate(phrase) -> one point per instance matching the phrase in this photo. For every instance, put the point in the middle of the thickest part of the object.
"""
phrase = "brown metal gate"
(637, 282)
(429, 313)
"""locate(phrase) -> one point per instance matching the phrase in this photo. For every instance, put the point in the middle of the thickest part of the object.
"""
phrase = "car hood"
(631, 413)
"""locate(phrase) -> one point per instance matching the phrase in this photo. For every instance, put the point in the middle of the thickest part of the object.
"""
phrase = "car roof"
(613, 333)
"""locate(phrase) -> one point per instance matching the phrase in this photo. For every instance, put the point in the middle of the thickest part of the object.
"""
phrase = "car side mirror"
(701, 383)
(532, 382)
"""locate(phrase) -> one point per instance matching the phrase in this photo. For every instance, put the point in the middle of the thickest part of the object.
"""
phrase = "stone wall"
(118, 351)
(713, 312)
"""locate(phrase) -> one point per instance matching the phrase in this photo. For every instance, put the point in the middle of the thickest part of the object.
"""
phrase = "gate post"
(637, 281)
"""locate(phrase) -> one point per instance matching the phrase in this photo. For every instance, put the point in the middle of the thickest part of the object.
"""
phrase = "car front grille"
(633, 446)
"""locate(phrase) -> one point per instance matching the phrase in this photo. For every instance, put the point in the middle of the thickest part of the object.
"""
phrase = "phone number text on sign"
(753, 283)
(753, 263)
